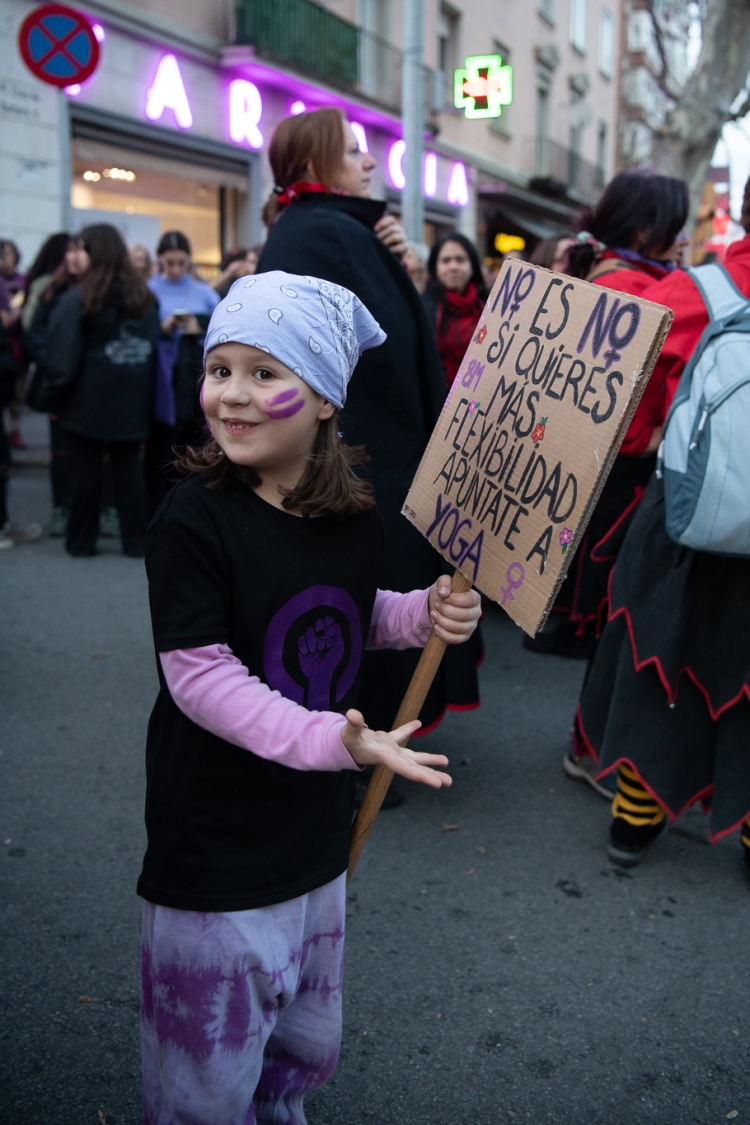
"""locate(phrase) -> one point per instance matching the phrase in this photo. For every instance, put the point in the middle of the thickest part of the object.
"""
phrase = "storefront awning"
(535, 227)
(91, 124)
(516, 210)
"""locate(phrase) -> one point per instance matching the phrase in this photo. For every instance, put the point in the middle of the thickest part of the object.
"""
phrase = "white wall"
(31, 156)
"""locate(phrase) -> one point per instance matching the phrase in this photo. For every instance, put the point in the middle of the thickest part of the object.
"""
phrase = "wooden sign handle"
(416, 693)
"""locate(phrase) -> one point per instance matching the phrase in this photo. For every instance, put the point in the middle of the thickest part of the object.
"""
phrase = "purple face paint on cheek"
(288, 411)
(285, 396)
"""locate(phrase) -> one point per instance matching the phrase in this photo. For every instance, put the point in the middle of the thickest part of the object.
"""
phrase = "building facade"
(171, 129)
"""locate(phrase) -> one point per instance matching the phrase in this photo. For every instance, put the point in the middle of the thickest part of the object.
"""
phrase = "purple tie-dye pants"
(240, 1012)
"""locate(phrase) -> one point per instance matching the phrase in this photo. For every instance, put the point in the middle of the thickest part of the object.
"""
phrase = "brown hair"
(315, 138)
(329, 485)
(110, 262)
(639, 210)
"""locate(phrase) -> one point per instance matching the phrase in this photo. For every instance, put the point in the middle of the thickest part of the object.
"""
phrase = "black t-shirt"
(228, 830)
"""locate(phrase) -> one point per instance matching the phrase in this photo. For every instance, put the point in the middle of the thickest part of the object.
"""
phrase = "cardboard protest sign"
(530, 429)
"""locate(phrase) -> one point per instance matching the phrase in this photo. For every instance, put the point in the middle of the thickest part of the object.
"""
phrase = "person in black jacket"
(8, 379)
(98, 363)
(56, 269)
(323, 223)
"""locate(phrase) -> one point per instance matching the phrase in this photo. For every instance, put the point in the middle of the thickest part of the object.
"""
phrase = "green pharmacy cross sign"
(483, 86)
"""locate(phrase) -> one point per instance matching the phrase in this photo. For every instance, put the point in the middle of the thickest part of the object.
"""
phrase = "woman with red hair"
(323, 223)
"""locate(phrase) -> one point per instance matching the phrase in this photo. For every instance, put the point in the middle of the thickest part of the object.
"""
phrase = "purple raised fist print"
(321, 649)
(313, 647)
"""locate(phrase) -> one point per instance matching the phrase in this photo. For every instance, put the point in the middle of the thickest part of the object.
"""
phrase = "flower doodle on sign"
(537, 434)
(474, 406)
(565, 537)
(481, 335)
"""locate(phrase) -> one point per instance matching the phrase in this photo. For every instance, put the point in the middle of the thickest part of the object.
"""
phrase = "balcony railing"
(305, 35)
(560, 171)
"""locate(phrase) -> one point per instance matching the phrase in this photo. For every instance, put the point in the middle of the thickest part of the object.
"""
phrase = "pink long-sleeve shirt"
(216, 691)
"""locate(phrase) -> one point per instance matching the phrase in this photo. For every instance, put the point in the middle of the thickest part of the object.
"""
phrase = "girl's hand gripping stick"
(416, 693)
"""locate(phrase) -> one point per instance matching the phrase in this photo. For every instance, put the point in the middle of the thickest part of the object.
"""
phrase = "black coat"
(98, 370)
(398, 389)
(35, 334)
(394, 400)
(9, 371)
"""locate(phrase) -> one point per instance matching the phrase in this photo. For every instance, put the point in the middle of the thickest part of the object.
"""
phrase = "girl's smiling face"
(261, 413)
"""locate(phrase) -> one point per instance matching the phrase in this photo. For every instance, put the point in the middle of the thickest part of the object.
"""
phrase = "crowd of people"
(66, 348)
(349, 335)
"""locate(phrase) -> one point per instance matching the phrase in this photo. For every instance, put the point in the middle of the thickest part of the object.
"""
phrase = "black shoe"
(627, 843)
(558, 638)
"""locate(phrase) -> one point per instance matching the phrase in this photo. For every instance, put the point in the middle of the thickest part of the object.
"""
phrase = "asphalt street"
(498, 969)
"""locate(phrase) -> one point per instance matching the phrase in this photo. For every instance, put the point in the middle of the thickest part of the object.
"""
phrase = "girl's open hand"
(377, 748)
(454, 616)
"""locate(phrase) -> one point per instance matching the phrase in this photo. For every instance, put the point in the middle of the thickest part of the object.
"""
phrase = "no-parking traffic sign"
(58, 45)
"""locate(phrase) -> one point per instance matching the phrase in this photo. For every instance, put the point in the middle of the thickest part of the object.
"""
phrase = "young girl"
(263, 568)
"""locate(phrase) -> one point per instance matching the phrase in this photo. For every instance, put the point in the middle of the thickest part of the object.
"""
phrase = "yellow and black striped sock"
(634, 804)
(745, 836)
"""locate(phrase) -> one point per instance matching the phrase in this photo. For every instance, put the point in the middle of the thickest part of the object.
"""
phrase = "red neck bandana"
(302, 187)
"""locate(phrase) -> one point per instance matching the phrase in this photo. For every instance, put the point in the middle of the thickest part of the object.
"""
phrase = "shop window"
(449, 57)
(606, 42)
(145, 195)
(578, 25)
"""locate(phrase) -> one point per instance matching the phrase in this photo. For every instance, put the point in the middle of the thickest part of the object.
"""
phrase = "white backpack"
(704, 457)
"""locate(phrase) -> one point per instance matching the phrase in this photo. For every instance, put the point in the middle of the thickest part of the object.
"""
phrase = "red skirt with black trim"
(668, 690)
(583, 594)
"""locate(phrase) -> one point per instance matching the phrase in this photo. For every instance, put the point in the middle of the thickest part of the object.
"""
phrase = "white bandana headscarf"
(316, 328)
